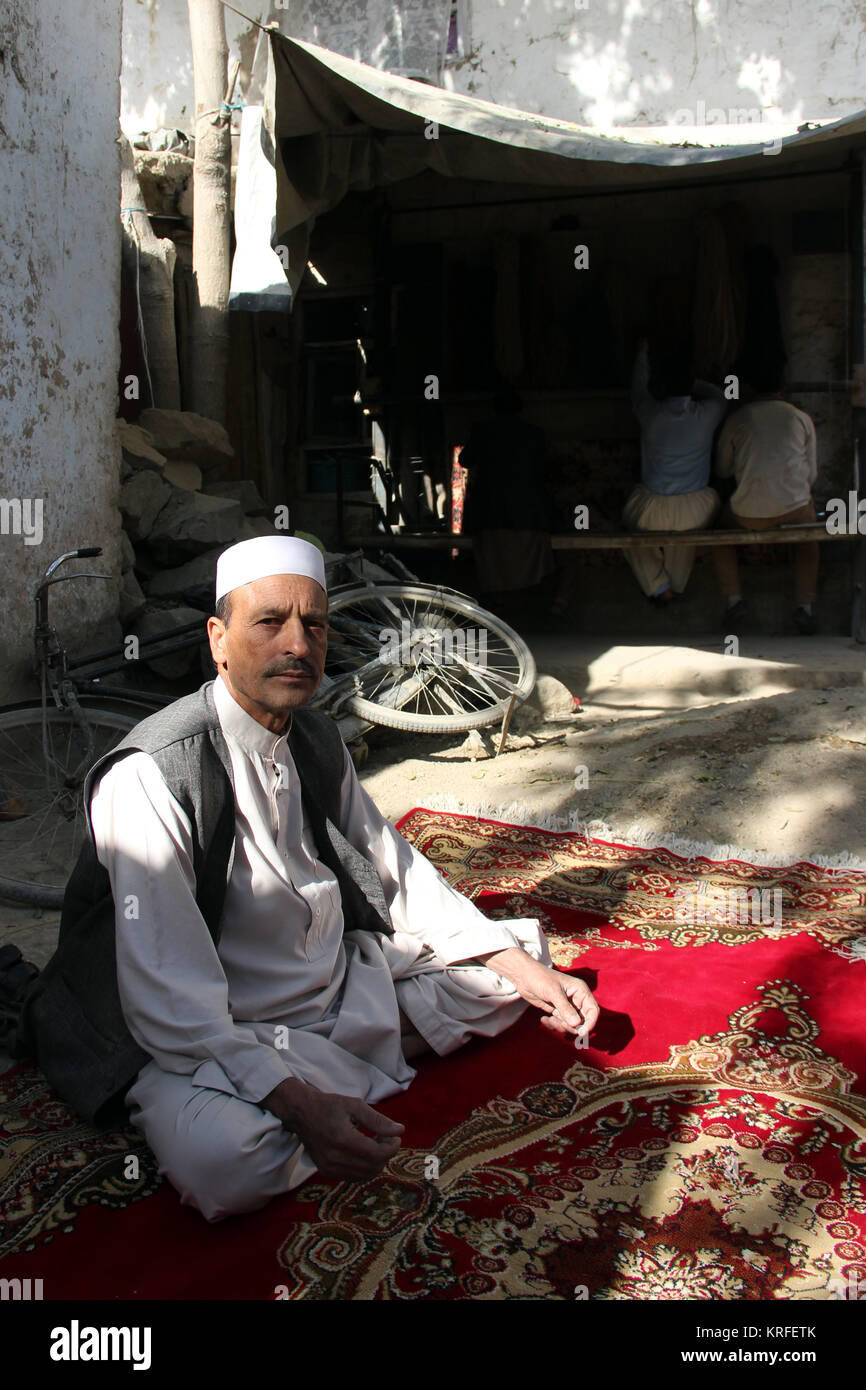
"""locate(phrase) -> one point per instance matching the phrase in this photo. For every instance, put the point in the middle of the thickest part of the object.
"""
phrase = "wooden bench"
(616, 540)
(631, 540)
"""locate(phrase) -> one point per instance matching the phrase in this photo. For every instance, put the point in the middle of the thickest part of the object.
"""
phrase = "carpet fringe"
(519, 813)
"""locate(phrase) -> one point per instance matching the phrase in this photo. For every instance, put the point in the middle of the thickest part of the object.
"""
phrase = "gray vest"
(72, 1021)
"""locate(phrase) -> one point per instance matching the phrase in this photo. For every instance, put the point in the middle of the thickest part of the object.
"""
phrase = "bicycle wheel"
(423, 657)
(41, 816)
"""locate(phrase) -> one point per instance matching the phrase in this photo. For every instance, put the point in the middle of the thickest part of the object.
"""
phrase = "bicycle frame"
(55, 669)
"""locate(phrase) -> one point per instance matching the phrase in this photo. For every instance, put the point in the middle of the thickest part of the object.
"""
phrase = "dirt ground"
(768, 756)
(777, 773)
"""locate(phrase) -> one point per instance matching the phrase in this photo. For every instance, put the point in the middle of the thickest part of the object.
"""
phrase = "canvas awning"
(340, 126)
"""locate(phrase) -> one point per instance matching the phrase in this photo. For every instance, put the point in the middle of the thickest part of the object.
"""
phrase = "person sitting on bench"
(677, 426)
(769, 448)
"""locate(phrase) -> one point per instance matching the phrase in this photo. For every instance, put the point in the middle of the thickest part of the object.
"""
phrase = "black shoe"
(805, 623)
(734, 616)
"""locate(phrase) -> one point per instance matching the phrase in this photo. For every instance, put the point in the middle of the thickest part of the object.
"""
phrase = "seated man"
(280, 949)
(769, 448)
(676, 442)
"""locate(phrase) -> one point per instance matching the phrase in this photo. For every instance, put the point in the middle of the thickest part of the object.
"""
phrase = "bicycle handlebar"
(83, 553)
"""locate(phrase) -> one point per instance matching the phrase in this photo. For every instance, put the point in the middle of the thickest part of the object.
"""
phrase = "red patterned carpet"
(710, 1144)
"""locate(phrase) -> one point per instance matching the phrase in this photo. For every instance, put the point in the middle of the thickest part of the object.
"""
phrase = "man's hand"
(566, 1001)
(330, 1128)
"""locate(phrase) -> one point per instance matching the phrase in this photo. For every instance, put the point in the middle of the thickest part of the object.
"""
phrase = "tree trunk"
(150, 260)
(209, 327)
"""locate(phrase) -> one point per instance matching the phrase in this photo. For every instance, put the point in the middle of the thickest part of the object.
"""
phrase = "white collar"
(242, 727)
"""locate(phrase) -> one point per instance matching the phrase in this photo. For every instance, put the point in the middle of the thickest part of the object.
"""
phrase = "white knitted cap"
(266, 555)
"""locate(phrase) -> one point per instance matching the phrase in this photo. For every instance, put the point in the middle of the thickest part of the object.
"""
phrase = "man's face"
(271, 654)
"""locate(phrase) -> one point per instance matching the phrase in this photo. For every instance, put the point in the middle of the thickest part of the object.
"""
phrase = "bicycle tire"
(20, 751)
(515, 678)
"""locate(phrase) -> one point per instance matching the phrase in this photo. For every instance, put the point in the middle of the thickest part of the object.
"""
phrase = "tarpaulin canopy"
(340, 126)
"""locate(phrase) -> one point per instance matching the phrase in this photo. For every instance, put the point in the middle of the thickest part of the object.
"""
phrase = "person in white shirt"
(676, 434)
(270, 1050)
(769, 448)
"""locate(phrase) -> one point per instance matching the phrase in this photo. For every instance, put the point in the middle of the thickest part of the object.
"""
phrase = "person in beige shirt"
(769, 448)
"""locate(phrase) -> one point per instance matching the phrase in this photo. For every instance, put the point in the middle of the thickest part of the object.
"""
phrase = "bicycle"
(435, 684)
(48, 745)
(423, 658)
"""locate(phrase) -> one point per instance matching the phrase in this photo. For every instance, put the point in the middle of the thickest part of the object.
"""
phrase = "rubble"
(253, 526)
(550, 700)
(181, 434)
(513, 742)
(475, 745)
(127, 553)
(154, 620)
(242, 491)
(172, 583)
(143, 496)
(192, 522)
(177, 523)
(132, 598)
(182, 474)
(138, 450)
(165, 177)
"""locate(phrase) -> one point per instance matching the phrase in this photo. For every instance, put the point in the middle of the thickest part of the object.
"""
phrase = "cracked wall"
(596, 62)
(59, 308)
(641, 62)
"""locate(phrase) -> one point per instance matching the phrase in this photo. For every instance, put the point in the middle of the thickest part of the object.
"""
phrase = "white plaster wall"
(158, 87)
(640, 62)
(59, 304)
(156, 76)
(597, 62)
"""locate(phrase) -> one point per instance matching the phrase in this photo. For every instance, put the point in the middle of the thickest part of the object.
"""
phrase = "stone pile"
(178, 513)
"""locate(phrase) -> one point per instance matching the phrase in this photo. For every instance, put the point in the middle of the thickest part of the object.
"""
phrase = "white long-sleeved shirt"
(676, 434)
(284, 993)
(770, 448)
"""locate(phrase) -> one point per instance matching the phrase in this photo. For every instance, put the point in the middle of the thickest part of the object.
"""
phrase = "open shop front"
(439, 246)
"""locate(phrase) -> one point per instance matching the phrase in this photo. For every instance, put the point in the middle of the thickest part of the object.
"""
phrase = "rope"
(227, 106)
(142, 335)
(263, 27)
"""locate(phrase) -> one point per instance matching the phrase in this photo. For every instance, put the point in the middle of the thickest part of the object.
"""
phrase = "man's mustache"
(291, 663)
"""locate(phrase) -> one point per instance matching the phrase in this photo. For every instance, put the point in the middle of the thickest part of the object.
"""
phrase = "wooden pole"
(209, 323)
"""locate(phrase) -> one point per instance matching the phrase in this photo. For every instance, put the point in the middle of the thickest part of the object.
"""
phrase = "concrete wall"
(634, 62)
(59, 307)
(640, 62)
(408, 38)
(157, 78)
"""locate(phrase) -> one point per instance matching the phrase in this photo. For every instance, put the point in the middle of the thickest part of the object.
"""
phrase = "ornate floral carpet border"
(710, 1144)
(650, 894)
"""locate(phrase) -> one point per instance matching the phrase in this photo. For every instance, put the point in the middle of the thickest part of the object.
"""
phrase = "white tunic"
(285, 993)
